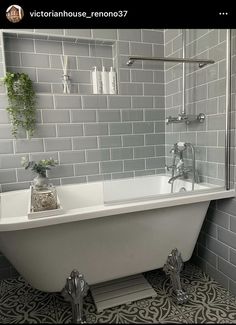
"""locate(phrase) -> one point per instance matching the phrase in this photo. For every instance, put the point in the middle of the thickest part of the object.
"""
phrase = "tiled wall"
(216, 248)
(93, 136)
(205, 93)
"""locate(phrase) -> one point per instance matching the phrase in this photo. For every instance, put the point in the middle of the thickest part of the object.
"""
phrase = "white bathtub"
(103, 241)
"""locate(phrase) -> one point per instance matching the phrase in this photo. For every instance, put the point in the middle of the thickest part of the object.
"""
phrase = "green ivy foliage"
(22, 101)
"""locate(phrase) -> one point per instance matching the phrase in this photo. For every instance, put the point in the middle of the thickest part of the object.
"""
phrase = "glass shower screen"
(171, 94)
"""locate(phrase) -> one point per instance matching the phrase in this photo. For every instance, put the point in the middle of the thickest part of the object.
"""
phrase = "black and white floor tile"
(208, 303)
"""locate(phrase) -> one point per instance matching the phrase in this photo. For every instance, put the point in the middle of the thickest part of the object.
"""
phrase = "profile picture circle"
(14, 13)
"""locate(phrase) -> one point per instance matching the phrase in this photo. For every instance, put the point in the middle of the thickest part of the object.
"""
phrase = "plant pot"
(41, 182)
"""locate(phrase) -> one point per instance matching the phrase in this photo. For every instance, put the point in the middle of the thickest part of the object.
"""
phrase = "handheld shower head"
(181, 146)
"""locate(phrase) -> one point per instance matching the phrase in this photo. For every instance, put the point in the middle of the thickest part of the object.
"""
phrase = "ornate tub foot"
(74, 291)
(173, 267)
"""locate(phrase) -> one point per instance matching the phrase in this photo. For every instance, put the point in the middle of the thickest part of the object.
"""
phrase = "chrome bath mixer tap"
(179, 170)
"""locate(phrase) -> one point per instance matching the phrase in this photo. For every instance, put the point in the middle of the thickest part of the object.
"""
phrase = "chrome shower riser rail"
(201, 62)
(183, 74)
(228, 109)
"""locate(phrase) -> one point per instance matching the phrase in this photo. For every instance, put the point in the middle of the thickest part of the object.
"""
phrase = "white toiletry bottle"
(105, 81)
(96, 81)
(112, 82)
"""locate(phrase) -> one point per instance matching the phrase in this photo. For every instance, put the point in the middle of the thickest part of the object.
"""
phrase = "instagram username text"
(78, 14)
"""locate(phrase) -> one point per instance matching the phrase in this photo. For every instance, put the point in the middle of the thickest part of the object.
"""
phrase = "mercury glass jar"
(44, 198)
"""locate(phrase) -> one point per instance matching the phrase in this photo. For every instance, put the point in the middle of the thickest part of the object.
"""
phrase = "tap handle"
(174, 150)
(167, 167)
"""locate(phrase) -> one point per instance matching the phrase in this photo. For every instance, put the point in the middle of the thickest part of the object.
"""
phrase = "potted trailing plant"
(40, 168)
(22, 100)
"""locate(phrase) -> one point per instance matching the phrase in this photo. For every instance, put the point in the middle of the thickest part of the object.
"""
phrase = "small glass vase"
(40, 182)
(66, 84)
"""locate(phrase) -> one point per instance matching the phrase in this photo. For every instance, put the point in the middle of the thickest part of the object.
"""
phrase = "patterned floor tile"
(208, 303)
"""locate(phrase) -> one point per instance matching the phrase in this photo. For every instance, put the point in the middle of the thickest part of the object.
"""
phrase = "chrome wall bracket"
(186, 118)
(74, 291)
(173, 267)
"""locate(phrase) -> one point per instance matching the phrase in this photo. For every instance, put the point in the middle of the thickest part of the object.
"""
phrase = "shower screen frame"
(228, 110)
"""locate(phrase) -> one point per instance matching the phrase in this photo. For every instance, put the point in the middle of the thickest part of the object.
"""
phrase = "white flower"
(24, 160)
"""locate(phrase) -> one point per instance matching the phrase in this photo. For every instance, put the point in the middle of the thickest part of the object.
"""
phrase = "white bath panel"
(121, 291)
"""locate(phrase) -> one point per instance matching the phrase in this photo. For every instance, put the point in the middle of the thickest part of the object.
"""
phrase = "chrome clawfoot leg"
(74, 291)
(173, 267)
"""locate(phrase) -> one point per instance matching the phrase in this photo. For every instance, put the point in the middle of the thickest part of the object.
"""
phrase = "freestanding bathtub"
(134, 231)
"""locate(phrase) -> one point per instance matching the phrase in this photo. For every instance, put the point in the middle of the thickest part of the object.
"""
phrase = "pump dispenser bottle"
(105, 81)
(96, 81)
(112, 81)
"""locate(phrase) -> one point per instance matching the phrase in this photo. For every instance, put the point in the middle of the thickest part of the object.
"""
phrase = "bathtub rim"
(105, 210)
